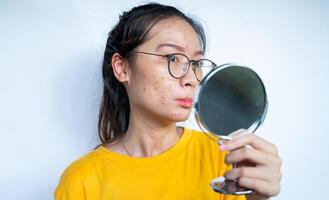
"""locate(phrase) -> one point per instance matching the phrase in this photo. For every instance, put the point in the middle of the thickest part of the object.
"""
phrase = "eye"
(173, 58)
(197, 64)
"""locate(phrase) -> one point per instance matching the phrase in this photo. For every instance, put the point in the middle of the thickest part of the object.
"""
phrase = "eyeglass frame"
(168, 56)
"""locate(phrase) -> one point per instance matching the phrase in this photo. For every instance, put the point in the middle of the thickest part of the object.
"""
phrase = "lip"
(185, 102)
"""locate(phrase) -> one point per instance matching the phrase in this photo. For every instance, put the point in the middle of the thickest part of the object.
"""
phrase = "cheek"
(153, 89)
(162, 91)
(158, 95)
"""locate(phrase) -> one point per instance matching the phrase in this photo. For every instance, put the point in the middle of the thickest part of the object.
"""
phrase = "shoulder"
(203, 142)
(80, 170)
(77, 179)
(207, 144)
(203, 139)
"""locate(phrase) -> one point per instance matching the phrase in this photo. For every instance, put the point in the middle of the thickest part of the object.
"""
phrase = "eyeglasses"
(179, 64)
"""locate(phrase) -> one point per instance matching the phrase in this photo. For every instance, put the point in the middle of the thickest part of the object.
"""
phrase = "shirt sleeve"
(70, 187)
(78, 181)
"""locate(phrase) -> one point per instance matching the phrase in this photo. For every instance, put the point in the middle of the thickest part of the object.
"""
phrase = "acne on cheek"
(161, 92)
(162, 100)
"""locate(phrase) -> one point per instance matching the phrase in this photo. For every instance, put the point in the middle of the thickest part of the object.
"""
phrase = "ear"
(120, 68)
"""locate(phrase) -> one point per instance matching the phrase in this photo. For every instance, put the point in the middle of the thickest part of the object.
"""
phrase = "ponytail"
(114, 109)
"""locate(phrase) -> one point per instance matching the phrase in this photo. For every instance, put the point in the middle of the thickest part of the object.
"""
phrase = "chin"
(180, 116)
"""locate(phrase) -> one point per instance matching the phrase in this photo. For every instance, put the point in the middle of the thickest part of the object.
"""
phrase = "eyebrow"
(179, 48)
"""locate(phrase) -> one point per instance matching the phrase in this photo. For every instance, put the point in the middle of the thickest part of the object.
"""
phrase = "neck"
(147, 138)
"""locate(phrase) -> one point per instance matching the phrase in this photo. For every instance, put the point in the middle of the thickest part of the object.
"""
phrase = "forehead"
(175, 31)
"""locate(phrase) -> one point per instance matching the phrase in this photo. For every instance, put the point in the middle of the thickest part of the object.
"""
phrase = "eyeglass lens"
(179, 64)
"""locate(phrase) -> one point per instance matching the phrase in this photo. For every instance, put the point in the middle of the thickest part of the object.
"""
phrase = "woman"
(148, 87)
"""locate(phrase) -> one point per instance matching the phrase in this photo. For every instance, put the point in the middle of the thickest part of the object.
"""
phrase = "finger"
(236, 133)
(260, 173)
(253, 155)
(262, 187)
(252, 140)
(245, 163)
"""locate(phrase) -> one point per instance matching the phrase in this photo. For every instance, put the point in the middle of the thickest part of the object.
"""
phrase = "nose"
(189, 80)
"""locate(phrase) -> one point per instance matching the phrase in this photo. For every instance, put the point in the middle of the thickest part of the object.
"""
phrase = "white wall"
(50, 61)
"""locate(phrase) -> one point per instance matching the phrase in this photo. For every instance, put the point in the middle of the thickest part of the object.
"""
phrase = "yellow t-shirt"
(182, 172)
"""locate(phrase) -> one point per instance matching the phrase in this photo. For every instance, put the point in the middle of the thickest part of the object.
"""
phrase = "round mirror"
(229, 98)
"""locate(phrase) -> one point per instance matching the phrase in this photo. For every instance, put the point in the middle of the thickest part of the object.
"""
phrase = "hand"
(260, 165)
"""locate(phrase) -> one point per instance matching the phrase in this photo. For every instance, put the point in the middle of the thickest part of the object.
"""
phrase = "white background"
(50, 86)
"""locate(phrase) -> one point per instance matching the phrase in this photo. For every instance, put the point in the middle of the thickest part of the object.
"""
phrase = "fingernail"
(224, 147)
(220, 142)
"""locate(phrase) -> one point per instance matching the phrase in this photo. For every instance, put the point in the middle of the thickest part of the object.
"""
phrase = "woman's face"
(152, 91)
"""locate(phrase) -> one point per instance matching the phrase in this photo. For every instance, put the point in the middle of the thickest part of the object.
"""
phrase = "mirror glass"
(229, 98)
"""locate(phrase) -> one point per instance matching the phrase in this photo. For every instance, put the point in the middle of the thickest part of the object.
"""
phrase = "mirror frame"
(251, 129)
